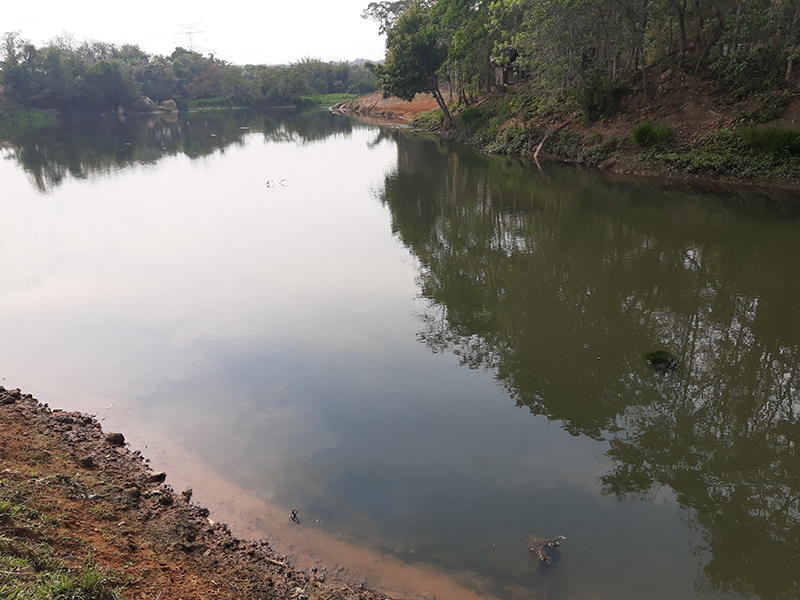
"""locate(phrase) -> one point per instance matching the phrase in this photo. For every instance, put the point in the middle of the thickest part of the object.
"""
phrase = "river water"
(429, 353)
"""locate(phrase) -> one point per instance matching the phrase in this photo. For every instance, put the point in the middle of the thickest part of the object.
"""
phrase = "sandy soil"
(394, 108)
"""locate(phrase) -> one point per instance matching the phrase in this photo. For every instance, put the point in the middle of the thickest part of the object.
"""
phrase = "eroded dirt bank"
(100, 502)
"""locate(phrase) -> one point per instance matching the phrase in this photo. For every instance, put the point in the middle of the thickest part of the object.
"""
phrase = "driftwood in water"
(541, 547)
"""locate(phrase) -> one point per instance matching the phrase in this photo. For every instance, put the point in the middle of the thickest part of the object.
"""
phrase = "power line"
(190, 32)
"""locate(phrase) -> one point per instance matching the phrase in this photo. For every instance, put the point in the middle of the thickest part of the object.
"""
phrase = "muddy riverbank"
(82, 496)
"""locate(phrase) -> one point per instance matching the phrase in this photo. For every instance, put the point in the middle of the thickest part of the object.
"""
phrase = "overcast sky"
(238, 31)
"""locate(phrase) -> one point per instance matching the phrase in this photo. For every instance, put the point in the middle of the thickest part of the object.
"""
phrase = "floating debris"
(545, 549)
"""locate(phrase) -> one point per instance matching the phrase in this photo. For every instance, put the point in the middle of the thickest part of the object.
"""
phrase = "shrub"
(772, 140)
(471, 116)
(598, 96)
(648, 134)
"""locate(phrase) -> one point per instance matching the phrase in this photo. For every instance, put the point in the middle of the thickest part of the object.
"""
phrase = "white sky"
(238, 31)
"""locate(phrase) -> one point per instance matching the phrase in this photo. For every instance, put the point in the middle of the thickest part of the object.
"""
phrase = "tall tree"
(415, 51)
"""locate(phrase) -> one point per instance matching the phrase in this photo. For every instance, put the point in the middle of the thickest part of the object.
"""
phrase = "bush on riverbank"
(648, 134)
(772, 140)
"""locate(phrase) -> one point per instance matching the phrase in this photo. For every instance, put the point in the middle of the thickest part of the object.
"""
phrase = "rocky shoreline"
(105, 505)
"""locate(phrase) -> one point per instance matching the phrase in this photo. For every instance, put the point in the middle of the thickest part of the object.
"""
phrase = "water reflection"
(88, 146)
(269, 336)
(562, 283)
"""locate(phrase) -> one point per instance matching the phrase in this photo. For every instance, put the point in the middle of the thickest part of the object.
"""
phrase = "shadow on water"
(566, 286)
(84, 146)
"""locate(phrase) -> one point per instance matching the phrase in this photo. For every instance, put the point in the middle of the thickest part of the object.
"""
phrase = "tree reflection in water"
(86, 146)
(563, 283)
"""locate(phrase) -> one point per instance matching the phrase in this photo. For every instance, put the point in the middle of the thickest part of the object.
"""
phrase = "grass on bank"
(325, 100)
(747, 152)
(649, 134)
(505, 123)
(322, 101)
(14, 121)
(30, 567)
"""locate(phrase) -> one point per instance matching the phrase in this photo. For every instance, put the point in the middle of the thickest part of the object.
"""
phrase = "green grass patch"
(208, 103)
(429, 120)
(738, 153)
(772, 140)
(16, 121)
(326, 100)
(649, 134)
(30, 567)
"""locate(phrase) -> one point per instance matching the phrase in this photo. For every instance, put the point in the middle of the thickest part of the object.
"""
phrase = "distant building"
(507, 71)
(510, 75)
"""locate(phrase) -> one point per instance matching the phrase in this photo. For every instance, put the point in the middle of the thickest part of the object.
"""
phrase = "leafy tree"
(208, 83)
(109, 84)
(156, 77)
(415, 51)
(385, 13)
(12, 47)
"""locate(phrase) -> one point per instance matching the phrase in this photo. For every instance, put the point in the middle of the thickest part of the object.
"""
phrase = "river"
(429, 353)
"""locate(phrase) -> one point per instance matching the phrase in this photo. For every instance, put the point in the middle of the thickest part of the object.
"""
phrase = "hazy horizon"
(242, 34)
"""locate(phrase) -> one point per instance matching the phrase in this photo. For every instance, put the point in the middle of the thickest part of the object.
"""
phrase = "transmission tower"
(190, 31)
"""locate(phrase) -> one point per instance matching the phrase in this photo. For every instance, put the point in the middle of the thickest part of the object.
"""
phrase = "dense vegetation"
(587, 63)
(95, 76)
(590, 52)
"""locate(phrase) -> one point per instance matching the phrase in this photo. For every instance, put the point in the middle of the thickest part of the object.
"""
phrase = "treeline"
(96, 76)
(590, 51)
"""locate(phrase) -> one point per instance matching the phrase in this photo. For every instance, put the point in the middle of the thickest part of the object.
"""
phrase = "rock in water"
(116, 438)
(156, 476)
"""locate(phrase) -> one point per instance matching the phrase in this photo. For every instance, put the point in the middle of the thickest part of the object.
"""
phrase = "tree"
(385, 13)
(11, 46)
(415, 51)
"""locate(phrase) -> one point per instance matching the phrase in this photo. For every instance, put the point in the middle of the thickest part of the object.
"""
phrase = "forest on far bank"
(90, 76)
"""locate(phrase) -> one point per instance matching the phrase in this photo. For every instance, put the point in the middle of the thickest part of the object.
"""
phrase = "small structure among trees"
(507, 71)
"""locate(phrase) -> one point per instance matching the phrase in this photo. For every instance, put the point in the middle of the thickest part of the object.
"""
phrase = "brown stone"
(115, 438)
(169, 105)
(156, 476)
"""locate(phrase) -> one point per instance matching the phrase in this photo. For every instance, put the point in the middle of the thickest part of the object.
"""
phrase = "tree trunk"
(437, 93)
(680, 9)
(547, 135)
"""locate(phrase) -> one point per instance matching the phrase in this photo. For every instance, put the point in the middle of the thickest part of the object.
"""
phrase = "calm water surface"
(430, 353)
